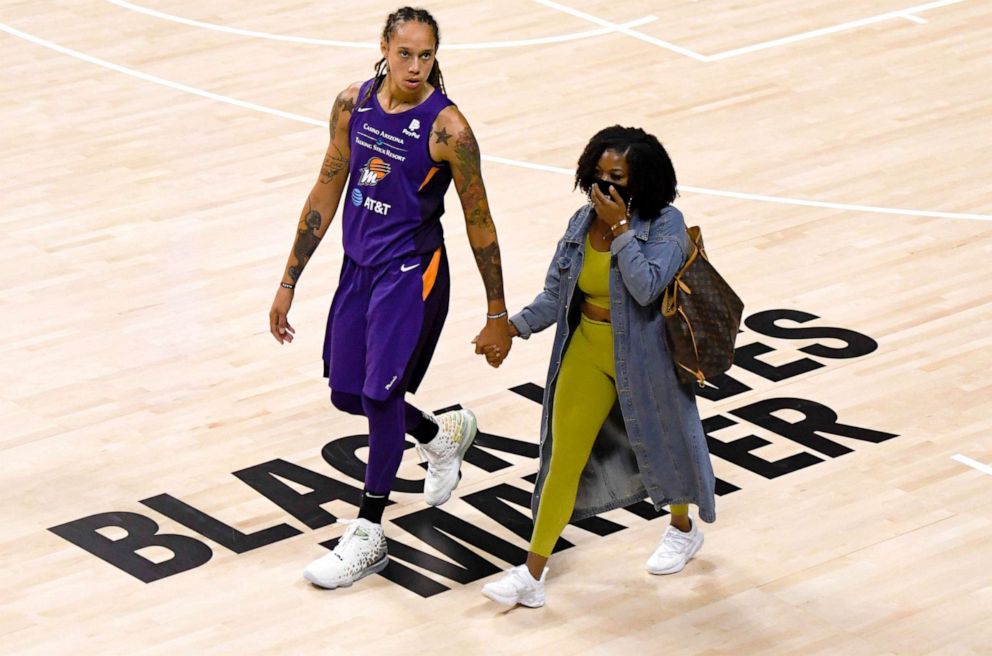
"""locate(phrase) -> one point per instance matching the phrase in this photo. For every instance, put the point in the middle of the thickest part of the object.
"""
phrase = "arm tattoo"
(307, 240)
(471, 190)
(488, 259)
(343, 102)
(442, 136)
(334, 164)
(473, 196)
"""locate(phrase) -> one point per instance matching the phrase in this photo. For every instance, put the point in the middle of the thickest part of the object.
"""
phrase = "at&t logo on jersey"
(373, 205)
(373, 172)
(411, 130)
(360, 200)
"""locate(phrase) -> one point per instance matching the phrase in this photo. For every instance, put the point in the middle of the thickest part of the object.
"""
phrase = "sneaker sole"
(462, 449)
(510, 603)
(374, 568)
(676, 570)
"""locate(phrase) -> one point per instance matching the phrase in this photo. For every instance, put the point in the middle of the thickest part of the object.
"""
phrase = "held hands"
(611, 210)
(495, 340)
(278, 322)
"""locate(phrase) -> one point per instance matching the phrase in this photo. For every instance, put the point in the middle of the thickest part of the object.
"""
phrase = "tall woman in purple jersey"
(396, 143)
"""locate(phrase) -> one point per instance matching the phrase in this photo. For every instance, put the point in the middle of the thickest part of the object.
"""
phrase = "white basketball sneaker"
(517, 586)
(675, 550)
(360, 551)
(444, 454)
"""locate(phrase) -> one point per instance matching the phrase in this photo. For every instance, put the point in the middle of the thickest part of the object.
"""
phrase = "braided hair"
(403, 15)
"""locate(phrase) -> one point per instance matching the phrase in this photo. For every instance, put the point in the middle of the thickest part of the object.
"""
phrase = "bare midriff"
(595, 312)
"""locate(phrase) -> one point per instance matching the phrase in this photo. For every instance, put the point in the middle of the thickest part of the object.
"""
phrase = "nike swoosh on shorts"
(405, 268)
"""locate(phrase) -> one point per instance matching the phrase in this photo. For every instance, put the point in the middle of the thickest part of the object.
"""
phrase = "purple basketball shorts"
(384, 324)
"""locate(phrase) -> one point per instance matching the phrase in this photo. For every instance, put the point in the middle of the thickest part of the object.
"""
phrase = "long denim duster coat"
(653, 443)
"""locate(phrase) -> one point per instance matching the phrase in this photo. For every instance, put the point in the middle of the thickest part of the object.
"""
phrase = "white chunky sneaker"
(675, 550)
(360, 552)
(444, 454)
(517, 586)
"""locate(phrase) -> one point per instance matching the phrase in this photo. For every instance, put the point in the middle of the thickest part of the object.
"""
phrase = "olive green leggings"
(584, 397)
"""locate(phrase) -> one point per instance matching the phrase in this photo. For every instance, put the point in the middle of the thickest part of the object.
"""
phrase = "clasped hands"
(495, 340)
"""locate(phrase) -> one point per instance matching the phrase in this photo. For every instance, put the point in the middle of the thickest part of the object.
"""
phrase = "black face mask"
(604, 186)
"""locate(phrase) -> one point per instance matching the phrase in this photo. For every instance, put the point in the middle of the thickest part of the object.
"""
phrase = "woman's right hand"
(278, 316)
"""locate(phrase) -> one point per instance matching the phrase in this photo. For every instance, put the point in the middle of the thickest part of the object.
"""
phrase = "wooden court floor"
(168, 469)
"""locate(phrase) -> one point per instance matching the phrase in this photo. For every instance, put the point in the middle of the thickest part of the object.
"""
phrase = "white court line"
(157, 80)
(915, 19)
(980, 466)
(489, 158)
(874, 209)
(737, 52)
(842, 27)
(623, 30)
(369, 45)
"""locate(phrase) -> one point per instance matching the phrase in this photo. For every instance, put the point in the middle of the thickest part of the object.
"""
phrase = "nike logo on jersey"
(365, 109)
(405, 268)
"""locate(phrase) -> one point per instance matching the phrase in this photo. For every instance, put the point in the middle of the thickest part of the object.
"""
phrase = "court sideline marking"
(370, 45)
(974, 464)
(606, 27)
(764, 45)
(496, 160)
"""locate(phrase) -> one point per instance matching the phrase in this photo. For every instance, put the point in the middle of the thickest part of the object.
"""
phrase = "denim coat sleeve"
(543, 310)
(648, 262)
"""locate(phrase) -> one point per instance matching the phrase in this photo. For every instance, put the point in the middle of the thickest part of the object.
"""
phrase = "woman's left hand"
(610, 209)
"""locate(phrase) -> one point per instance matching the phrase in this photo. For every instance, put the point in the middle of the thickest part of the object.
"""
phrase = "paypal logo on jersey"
(356, 197)
(411, 130)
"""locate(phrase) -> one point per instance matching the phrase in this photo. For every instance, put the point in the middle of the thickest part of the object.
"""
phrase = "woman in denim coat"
(617, 424)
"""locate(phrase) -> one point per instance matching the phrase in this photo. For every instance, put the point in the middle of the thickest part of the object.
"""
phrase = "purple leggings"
(389, 420)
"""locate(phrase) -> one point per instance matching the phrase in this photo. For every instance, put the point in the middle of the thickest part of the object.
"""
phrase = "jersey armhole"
(361, 93)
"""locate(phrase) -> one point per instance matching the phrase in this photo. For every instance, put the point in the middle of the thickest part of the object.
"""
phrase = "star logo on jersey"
(373, 172)
(411, 130)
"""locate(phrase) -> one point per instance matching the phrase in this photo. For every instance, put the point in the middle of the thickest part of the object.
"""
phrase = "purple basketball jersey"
(395, 194)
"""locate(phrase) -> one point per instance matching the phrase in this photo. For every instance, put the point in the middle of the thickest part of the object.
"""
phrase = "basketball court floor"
(168, 469)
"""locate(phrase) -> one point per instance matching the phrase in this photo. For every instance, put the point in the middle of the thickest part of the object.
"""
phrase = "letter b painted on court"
(142, 532)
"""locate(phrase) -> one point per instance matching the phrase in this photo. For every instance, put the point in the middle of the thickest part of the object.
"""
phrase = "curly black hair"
(651, 176)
